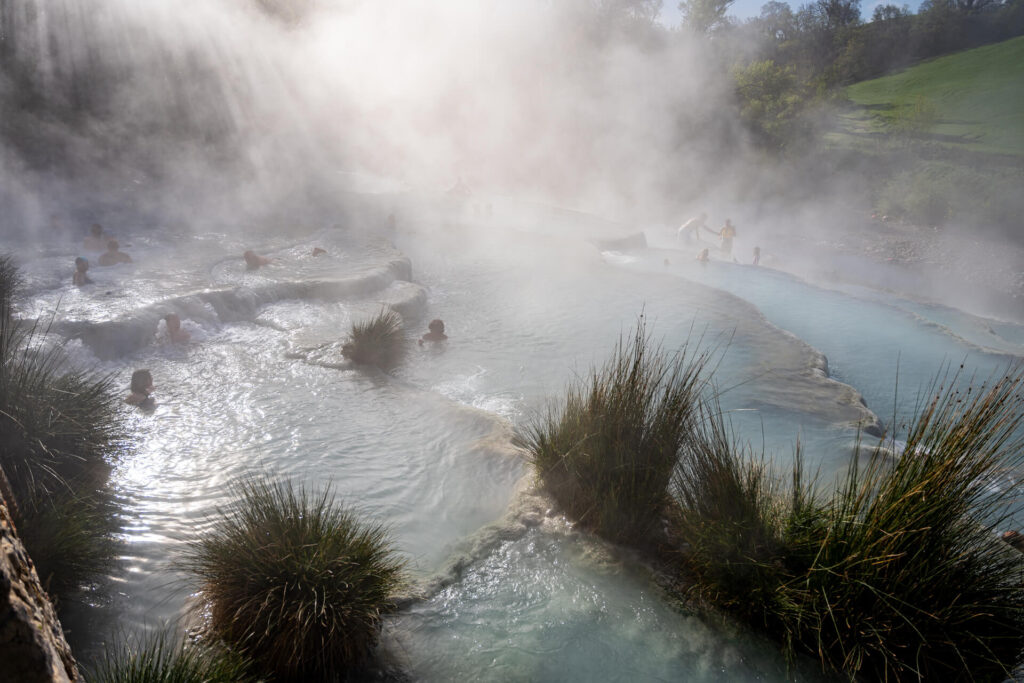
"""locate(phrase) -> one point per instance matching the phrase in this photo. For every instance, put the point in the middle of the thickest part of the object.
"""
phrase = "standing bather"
(690, 230)
(727, 233)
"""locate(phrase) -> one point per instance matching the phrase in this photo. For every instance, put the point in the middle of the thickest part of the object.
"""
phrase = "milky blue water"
(427, 448)
(891, 349)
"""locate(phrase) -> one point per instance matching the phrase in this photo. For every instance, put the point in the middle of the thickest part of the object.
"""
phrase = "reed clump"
(58, 428)
(165, 659)
(378, 341)
(899, 573)
(295, 581)
(607, 453)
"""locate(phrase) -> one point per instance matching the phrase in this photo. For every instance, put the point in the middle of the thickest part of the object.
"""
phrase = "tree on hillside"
(974, 6)
(604, 19)
(704, 16)
(777, 21)
(890, 13)
(771, 101)
(837, 15)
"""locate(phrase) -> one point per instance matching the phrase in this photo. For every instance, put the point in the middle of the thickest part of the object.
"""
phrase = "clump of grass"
(164, 659)
(727, 516)
(296, 581)
(58, 425)
(900, 574)
(607, 454)
(69, 536)
(378, 341)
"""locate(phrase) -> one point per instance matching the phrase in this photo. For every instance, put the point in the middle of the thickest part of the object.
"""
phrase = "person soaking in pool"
(113, 255)
(96, 240)
(436, 333)
(174, 331)
(141, 388)
(81, 268)
(254, 261)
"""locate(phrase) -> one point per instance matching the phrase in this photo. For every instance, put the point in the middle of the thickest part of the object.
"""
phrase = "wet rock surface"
(32, 645)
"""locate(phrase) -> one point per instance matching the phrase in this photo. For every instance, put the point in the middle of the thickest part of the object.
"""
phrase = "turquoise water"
(889, 348)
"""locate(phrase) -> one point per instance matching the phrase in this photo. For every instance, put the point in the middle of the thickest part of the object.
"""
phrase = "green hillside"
(971, 100)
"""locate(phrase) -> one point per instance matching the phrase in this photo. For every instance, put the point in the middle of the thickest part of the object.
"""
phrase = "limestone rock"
(32, 645)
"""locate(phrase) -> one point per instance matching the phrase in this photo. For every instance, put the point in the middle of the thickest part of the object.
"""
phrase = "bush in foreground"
(900, 574)
(608, 453)
(69, 536)
(58, 426)
(295, 581)
(378, 341)
(162, 659)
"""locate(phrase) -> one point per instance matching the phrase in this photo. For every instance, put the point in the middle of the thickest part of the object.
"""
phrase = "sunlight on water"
(261, 385)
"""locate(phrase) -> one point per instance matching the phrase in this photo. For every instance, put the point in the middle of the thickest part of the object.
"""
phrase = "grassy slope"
(978, 98)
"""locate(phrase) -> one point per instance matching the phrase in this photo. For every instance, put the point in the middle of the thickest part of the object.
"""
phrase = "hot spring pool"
(427, 448)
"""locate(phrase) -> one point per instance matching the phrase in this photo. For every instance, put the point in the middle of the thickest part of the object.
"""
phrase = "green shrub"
(378, 341)
(295, 581)
(901, 573)
(69, 537)
(162, 659)
(607, 454)
(58, 426)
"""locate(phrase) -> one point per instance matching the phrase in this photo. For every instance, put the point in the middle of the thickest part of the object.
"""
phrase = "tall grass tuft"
(727, 515)
(70, 537)
(900, 574)
(164, 659)
(58, 425)
(296, 581)
(378, 341)
(607, 454)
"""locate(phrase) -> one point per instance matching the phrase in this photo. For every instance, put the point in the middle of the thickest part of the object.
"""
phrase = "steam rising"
(257, 113)
(229, 106)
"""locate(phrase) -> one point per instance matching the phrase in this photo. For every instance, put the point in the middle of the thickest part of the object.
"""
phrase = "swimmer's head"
(436, 326)
(173, 322)
(96, 229)
(142, 382)
(251, 259)
(82, 264)
(112, 245)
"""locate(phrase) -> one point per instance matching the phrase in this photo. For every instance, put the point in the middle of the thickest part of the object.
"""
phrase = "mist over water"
(196, 130)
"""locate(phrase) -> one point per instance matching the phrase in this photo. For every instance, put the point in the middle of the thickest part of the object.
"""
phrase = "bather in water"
(174, 331)
(254, 261)
(141, 388)
(436, 333)
(81, 268)
(113, 255)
